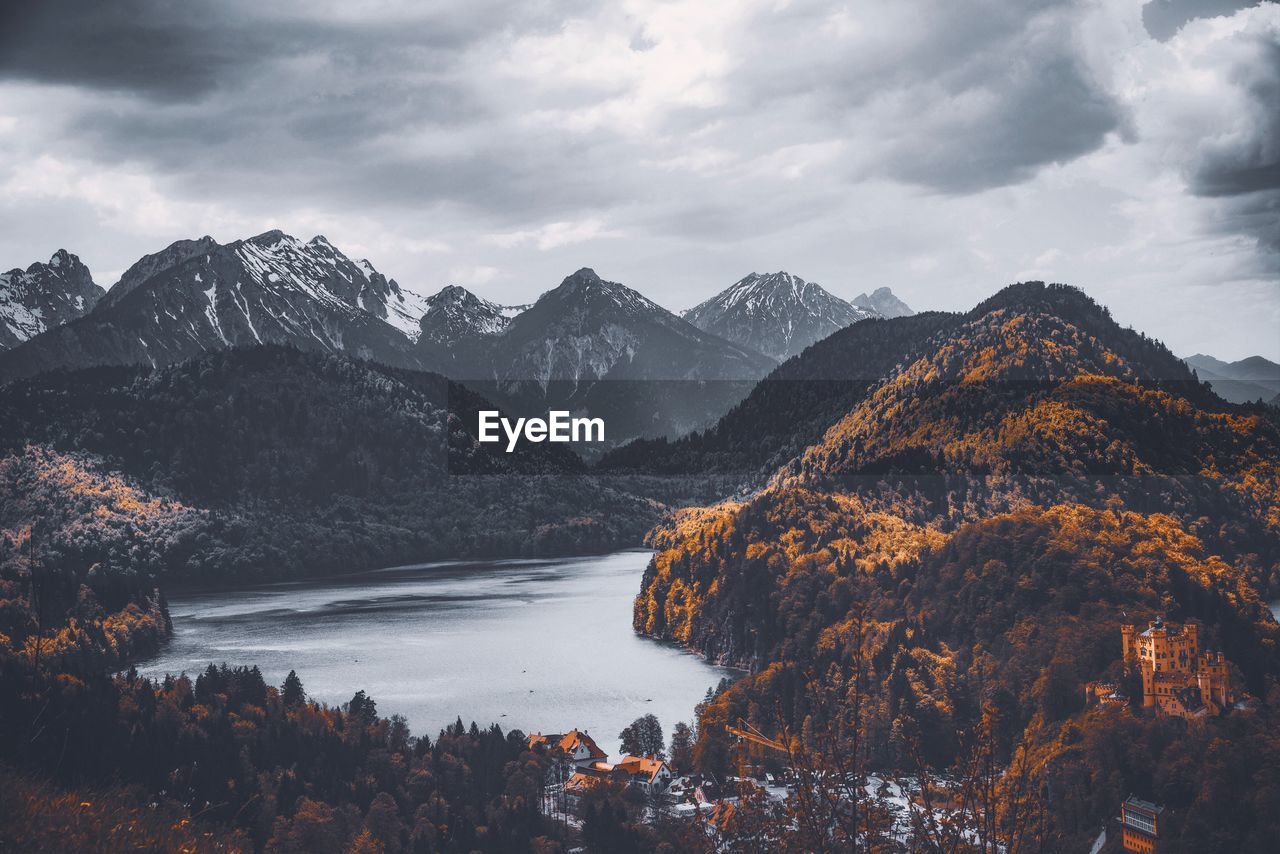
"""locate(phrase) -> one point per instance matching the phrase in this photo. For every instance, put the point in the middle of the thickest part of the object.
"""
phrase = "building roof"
(580, 782)
(1140, 804)
(641, 766)
(569, 743)
(722, 815)
(1159, 624)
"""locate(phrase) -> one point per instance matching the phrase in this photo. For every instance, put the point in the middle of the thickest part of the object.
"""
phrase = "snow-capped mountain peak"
(43, 296)
(778, 313)
(199, 295)
(322, 272)
(585, 291)
(455, 314)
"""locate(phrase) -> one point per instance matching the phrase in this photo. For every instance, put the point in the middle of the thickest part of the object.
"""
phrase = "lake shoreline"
(536, 644)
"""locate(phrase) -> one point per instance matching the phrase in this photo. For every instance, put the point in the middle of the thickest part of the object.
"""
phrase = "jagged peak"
(273, 239)
(60, 262)
(452, 293)
(147, 265)
(456, 296)
(61, 257)
(585, 280)
(585, 287)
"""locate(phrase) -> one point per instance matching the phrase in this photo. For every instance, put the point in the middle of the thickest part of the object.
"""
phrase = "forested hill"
(1039, 381)
(266, 422)
(798, 401)
(958, 553)
(300, 463)
(791, 407)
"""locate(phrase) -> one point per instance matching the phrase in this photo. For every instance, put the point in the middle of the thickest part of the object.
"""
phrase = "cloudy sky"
(943, 148)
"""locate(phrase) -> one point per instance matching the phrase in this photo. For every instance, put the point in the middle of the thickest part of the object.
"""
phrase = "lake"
(539, 645)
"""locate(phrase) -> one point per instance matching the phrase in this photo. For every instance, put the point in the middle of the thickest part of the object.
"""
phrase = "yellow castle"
(1177, 678)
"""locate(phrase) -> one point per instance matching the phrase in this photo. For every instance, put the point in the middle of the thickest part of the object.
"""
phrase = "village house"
(649, 773)
(576, 746)
(591, 768)
(1177, 677)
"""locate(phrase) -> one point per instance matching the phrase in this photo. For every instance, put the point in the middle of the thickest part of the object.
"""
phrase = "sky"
(942, 148)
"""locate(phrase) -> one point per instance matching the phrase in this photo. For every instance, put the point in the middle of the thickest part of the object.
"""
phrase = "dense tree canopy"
(972, 533)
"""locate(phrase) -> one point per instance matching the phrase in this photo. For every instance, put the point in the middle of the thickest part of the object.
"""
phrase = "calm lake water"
(539, 645)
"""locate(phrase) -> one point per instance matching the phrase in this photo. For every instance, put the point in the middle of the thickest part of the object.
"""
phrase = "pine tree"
(682, 747)
(291, 692)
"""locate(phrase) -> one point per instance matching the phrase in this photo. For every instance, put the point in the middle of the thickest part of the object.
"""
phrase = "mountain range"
(587, 344)
(791, 407)
(1244, 381)
(198, 296)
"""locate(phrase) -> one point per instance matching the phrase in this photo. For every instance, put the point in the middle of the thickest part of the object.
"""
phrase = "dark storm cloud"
(169, 49)
(1249, 163)
(1257, 214)
(965, 96)
(1243, 170)
(1051, 113)
(166, 50)
(1163, 18)
(236, 99)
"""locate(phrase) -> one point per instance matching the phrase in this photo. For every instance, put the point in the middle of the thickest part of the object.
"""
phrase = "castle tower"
(1177, 678)
(1213, 681)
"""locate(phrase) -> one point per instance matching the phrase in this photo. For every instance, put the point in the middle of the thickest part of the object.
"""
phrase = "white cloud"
(553, 235)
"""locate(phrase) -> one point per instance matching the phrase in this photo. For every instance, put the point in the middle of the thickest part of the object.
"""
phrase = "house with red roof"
(575, 745)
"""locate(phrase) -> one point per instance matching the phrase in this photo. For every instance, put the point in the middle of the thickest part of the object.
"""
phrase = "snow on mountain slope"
(43, 296)
(199, 295)
(777, 314)
(357, 282)
(589, 328)
(455, 314)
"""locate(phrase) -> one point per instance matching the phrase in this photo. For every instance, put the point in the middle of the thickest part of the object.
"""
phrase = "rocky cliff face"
(44, 296)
